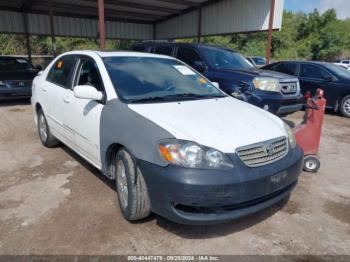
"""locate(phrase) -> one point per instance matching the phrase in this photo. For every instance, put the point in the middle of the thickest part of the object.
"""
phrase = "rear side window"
(312, 71)
(61, 71)
(189, 56)
(287, 68)
(163, 50)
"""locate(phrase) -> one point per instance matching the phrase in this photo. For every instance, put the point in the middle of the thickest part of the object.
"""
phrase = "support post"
(269, 35)
(26, 32)
(52, 28)
(101, 24)
(199, 35)
(154, 31)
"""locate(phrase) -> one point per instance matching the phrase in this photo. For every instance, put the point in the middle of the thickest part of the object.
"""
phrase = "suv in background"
(275, 92)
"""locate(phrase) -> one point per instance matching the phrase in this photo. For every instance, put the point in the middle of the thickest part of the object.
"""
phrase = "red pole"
(101, 24)
(269, 35)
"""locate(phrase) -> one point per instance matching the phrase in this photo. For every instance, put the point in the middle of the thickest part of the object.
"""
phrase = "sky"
(342, 7)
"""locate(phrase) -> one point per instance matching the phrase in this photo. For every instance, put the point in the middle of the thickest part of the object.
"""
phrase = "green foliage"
(313, 36)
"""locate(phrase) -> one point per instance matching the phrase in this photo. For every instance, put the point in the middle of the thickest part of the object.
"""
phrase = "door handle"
(44, 88)
(67, 99)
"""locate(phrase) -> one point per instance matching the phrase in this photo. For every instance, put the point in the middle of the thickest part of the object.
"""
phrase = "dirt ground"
(53, 202)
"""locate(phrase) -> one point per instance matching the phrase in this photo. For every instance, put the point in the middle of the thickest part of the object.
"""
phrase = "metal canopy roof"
(136, 11)
(138, 19)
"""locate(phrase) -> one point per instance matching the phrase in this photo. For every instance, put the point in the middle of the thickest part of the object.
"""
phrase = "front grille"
(19, 83)
(289, 88)
(263, 153)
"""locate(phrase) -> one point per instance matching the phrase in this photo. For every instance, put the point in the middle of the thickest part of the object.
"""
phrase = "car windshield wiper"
(174, 96)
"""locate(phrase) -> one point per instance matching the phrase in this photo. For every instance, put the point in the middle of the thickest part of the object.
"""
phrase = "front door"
(313, 77)
(84, 114)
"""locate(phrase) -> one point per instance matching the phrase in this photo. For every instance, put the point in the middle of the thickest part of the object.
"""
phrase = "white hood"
(224, 124)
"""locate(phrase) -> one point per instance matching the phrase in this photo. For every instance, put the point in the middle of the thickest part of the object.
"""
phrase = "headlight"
(192, 155)
(291, 137)
(267, 84)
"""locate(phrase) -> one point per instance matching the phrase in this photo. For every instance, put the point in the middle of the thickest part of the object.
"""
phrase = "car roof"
(165, 43)
(306, 62)
(11, 57)
(116, 54)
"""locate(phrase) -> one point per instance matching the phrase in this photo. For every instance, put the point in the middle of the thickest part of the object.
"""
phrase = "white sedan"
(173, 142)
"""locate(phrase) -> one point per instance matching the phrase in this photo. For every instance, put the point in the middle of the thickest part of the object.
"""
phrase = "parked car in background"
(343, 63)
(333, 79)
(124, 113)
(257, 61)
(16, 76)
(274, 92)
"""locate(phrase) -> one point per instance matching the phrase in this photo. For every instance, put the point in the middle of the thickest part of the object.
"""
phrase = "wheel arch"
(110, 157)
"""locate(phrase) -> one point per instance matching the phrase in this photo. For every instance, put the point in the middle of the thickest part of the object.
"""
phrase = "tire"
(131, 188)
(46, 138)
(311, 164)
(345, 106)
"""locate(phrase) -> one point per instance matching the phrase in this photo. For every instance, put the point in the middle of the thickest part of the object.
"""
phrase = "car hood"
(256, 72)
(18, 75)
(224, 124)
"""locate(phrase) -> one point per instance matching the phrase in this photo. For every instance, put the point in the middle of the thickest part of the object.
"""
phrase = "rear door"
(56, 91)
(85, 114)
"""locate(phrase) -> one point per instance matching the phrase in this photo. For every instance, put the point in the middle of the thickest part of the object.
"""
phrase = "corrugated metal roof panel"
(128, 30)
(11, 22)
(231, 16)
(223, 17)
(181, 26)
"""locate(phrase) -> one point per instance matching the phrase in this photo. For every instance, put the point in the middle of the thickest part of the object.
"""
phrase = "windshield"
(338, 70)
(225, 59)
(14, 64)
(142, 79)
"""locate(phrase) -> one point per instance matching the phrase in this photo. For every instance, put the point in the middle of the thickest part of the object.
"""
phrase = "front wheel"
(131, 187)
(345, 106)
(311, 164)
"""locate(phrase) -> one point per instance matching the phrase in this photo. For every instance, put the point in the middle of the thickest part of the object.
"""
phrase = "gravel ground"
(53, 202)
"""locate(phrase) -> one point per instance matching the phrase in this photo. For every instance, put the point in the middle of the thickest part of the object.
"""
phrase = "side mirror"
(328, 78)
(87, 92)
(216, 84)
(39, 67)
(199, 66)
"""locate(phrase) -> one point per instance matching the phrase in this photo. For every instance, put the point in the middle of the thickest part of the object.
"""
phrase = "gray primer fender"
(119, 124)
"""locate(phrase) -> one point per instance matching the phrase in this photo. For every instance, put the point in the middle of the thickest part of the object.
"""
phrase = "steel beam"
(269, 34)
(101, 24)
(27, 36)
(52, 28)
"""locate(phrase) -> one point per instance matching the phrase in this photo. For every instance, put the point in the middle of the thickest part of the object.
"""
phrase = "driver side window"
(88, 74)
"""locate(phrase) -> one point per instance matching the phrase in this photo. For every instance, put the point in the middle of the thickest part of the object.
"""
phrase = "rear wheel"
(131, 188)
(345, 106)
(47, 139)
(311, 164)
